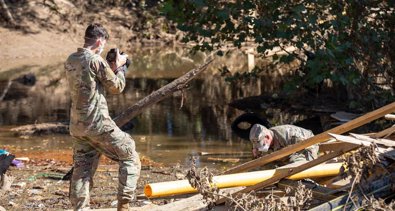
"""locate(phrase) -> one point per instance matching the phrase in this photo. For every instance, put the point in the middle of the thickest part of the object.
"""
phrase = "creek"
(187, 123)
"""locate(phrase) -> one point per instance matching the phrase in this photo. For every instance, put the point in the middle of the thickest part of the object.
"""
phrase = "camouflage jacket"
(89, 77)
(285, 135)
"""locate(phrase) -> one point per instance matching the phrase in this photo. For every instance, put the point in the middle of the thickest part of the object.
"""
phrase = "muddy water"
(196, 120)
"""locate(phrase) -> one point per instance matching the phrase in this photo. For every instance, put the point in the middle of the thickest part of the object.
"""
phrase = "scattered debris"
(201, 180)
(224, 160)
(373, 204)
(19, 185)
(343, 116)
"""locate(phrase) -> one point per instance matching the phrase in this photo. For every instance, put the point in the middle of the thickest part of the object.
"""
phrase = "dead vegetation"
(373, 204)
(294, 199)
(201, 180)
(360, 166)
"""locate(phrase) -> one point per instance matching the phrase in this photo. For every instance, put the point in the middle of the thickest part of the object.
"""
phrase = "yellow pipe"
(162, 189)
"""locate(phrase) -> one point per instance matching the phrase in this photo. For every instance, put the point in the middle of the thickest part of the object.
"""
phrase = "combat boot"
(123, 205)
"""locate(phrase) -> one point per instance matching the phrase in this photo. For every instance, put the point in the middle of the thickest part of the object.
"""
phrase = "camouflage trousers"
(118, 146)
(308, 154)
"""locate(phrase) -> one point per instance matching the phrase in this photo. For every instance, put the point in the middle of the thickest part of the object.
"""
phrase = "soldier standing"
(281, 136)
(89, 77)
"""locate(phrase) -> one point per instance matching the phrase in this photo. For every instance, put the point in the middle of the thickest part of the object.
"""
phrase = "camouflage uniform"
(89, 77)
(285, 135)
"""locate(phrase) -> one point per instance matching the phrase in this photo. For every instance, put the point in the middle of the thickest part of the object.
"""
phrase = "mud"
(38, 183)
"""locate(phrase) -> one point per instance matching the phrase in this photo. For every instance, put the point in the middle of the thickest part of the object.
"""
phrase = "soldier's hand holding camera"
(118, 61)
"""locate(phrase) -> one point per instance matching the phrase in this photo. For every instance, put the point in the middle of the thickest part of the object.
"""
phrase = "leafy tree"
(349, 43)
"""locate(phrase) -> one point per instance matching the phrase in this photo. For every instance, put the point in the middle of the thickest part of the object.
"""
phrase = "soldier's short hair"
(257, 131)
(95, 31)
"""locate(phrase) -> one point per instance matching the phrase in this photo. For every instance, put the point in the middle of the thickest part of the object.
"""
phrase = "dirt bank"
(49, 29)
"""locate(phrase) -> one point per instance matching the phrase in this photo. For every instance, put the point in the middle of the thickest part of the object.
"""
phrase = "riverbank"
(38, 185)
(56, 28)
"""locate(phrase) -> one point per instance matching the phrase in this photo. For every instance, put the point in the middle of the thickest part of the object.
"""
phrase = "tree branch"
(7, 13)
(176, 85)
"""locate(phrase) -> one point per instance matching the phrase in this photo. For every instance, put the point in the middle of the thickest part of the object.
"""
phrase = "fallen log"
(160, 94)
(42, 129)
(131, 112)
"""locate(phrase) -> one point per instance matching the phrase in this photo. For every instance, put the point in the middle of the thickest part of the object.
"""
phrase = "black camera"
(112, 57)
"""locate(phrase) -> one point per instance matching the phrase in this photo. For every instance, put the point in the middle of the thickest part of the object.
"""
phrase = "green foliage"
(351, 40)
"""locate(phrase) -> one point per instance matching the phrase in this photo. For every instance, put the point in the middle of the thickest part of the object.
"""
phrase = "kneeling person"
(281, 136)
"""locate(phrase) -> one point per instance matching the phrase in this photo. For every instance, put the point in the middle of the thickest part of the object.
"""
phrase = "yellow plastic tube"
(162, 189)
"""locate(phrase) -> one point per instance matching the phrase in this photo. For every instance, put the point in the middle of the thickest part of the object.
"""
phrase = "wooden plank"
(390, 117)
(352, 140)
(332, 146)
(384, 133)
(282, 173)
(385, 142)
(195, 202)
(313, 140)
